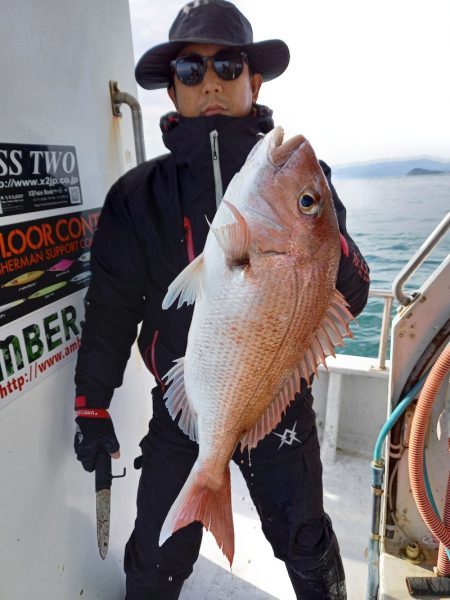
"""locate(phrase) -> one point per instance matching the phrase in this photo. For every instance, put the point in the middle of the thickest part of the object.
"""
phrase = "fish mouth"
(279, 152)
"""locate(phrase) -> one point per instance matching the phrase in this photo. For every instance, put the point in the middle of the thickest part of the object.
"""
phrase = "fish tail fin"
(209, 504)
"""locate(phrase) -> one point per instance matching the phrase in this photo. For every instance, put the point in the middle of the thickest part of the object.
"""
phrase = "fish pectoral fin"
(187, 284)
(211, 506)
(234, 239)
(177, 400)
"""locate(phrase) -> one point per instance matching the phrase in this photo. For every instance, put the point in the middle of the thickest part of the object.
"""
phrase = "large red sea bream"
(266, 314)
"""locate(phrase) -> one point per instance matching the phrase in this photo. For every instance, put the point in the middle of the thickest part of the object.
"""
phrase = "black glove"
(94, 432)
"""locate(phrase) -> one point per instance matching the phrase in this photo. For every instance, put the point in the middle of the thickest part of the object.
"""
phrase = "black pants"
(284, 477)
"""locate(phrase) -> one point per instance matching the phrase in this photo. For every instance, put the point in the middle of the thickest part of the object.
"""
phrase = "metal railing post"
(388, 298)
(384, 334)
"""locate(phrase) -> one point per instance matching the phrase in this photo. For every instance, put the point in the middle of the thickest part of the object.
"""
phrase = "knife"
(103, 481)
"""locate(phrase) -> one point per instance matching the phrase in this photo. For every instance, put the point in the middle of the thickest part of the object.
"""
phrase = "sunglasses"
(191, 69)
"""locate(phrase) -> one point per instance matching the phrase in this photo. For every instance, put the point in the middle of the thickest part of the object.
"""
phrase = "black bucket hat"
(211, 22)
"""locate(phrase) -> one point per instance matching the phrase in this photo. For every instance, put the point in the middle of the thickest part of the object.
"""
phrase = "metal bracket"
(115, 102)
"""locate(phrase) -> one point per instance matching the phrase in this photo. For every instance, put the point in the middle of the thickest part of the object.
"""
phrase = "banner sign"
(37, 345)
(44, 260)
(34, 177)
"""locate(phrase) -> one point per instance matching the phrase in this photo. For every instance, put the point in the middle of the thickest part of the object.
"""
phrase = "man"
(152, 224)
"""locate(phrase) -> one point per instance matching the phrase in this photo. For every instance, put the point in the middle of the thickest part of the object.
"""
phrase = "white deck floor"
(257, 574)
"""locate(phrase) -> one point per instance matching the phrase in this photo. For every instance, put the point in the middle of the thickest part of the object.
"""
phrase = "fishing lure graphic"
(24, 278)
(47, 290)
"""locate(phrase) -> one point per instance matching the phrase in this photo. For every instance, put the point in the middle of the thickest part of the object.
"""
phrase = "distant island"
(392, 168)
(419, 171)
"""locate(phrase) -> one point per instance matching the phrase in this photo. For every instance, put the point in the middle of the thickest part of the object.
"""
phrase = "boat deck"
(256, 573)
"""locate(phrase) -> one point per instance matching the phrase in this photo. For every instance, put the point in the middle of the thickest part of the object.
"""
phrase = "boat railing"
(399, 282)
(417, 259)
(364, 367)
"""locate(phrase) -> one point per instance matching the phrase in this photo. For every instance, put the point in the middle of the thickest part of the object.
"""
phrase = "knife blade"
(103, 480)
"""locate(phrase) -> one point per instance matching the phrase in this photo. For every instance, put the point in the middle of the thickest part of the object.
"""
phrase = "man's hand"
(95, 431)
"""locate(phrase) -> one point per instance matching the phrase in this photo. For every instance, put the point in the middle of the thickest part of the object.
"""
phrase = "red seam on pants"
(152, 365)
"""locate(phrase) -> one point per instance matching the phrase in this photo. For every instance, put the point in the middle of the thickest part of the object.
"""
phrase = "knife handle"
(103, 476)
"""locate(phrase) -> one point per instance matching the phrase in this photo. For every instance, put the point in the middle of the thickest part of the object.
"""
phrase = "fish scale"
(245, 357)
(266, 313)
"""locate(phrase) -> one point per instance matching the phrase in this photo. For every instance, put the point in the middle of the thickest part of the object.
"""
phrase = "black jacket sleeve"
(114, 302)
(353, 275)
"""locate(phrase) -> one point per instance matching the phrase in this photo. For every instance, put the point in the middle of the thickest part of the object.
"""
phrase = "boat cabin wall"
(350, 405)
(61, 149)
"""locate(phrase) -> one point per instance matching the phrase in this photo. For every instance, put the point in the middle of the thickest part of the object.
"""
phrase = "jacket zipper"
(214, 140)
(189, 239)
(152, 365)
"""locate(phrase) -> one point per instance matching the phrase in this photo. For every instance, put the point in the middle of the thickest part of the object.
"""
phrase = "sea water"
(389, 219)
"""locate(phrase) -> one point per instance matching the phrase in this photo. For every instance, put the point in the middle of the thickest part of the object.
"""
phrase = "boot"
(325, 582)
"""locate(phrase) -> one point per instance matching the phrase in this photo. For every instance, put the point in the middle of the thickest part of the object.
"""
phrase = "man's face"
(214, 95)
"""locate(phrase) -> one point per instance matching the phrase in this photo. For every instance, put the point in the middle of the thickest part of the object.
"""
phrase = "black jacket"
(152, 224)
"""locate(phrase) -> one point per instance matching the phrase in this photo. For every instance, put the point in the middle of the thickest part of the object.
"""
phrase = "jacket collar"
(188, 139)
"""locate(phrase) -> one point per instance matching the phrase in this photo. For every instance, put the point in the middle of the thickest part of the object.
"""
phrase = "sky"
(367, 79)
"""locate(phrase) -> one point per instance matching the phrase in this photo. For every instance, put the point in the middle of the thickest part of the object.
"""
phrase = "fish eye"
(308, 203)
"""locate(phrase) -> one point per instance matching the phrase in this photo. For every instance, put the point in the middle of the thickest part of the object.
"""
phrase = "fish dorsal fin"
(330, 333)
(187, 284)
(234, 239)
(177, 400)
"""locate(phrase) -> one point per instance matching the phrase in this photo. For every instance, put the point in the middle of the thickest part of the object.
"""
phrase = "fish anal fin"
(177, 400)
(198, 501)
(331, 331)
(272, 415)
(234, 239)
(187, 284)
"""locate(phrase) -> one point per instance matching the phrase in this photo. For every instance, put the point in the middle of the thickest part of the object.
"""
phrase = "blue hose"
(373, 556)
(373, 552)
(399, 410)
